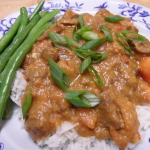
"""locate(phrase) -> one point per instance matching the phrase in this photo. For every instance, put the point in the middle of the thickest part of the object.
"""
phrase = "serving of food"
(80, 78)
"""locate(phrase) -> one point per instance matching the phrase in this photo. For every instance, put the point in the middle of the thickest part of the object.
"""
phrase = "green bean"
(14, 63)
(46, 18)
(42, 13)
(6, 39)
(4, 57)
(24, 19)
(37, 9)
(8, 109)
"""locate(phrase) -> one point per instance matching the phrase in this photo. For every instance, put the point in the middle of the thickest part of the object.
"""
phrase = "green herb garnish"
(107, 33)
(79, 24)
(62, 41)
(98, 79)
(82, 98)
(85, 64)
(124, 44)
(60, 76)
(26, 104)
(113, 19)
(139, 38)
(93, 44)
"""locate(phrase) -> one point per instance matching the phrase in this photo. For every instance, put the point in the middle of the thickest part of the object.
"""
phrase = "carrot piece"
(145, 69)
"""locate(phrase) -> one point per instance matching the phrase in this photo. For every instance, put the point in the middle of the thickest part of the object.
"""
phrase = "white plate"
(11, 135)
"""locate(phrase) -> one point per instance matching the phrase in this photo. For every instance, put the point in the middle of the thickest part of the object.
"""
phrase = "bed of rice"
(66, 137)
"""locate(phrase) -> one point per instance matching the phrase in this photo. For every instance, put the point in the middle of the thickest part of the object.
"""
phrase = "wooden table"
(9, 6)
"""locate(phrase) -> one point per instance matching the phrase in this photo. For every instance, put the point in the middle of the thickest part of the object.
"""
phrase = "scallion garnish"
(71, 42)
(82, 98)
(92, 44)
(97, 79)
(83, 29)
(79, 54)
(113, 19)
(139, 38)
(26, 104)
(98, 57)
(123, 43)
(89, 35)
(60, 76)
(107, 33)
(85, 64)
(62, 41)
(79, 24)
(95, 56)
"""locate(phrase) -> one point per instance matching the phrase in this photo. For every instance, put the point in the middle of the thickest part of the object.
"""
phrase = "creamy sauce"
(115, 117)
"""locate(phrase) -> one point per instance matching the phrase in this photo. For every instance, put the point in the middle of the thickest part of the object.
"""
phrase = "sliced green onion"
(85, 64)
(89, 35)
(62, 44)
(79, 54)
(96, 77)
(93, 44)
(95, 56)
(82, 98)
(72, 42)
(124, 44)
(62, 41)
(79, 24)
(107, 33)
(113, 19)
(60, 76)
(83, 29)
(86, 34)
(139, 39)
(26, 104)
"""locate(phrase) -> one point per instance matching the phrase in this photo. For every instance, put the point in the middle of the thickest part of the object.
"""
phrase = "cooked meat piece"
(69, 18)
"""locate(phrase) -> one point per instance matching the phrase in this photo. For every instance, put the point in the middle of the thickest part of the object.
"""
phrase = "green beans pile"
(15, 45)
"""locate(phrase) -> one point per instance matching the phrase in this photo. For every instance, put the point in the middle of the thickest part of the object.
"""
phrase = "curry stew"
(123, 76)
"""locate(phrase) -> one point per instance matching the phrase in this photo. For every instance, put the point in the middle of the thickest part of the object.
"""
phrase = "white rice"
(66, 137)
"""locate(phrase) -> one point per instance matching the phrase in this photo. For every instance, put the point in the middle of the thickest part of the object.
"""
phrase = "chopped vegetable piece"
(60, 76)
(59, 40)
(85, 64)
(89, 35)
(113, 19)
(82, 98)
(98, 79)
(139, 38)
(123, 43)
(107, 33)
(26, 104)
(83, 29)
(79, 24)
(95, 56)
(92, 44)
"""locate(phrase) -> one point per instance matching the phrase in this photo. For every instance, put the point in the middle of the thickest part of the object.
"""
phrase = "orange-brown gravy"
(115, 117)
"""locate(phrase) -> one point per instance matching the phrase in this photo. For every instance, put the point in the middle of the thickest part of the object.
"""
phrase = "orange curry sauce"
(115, 117)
